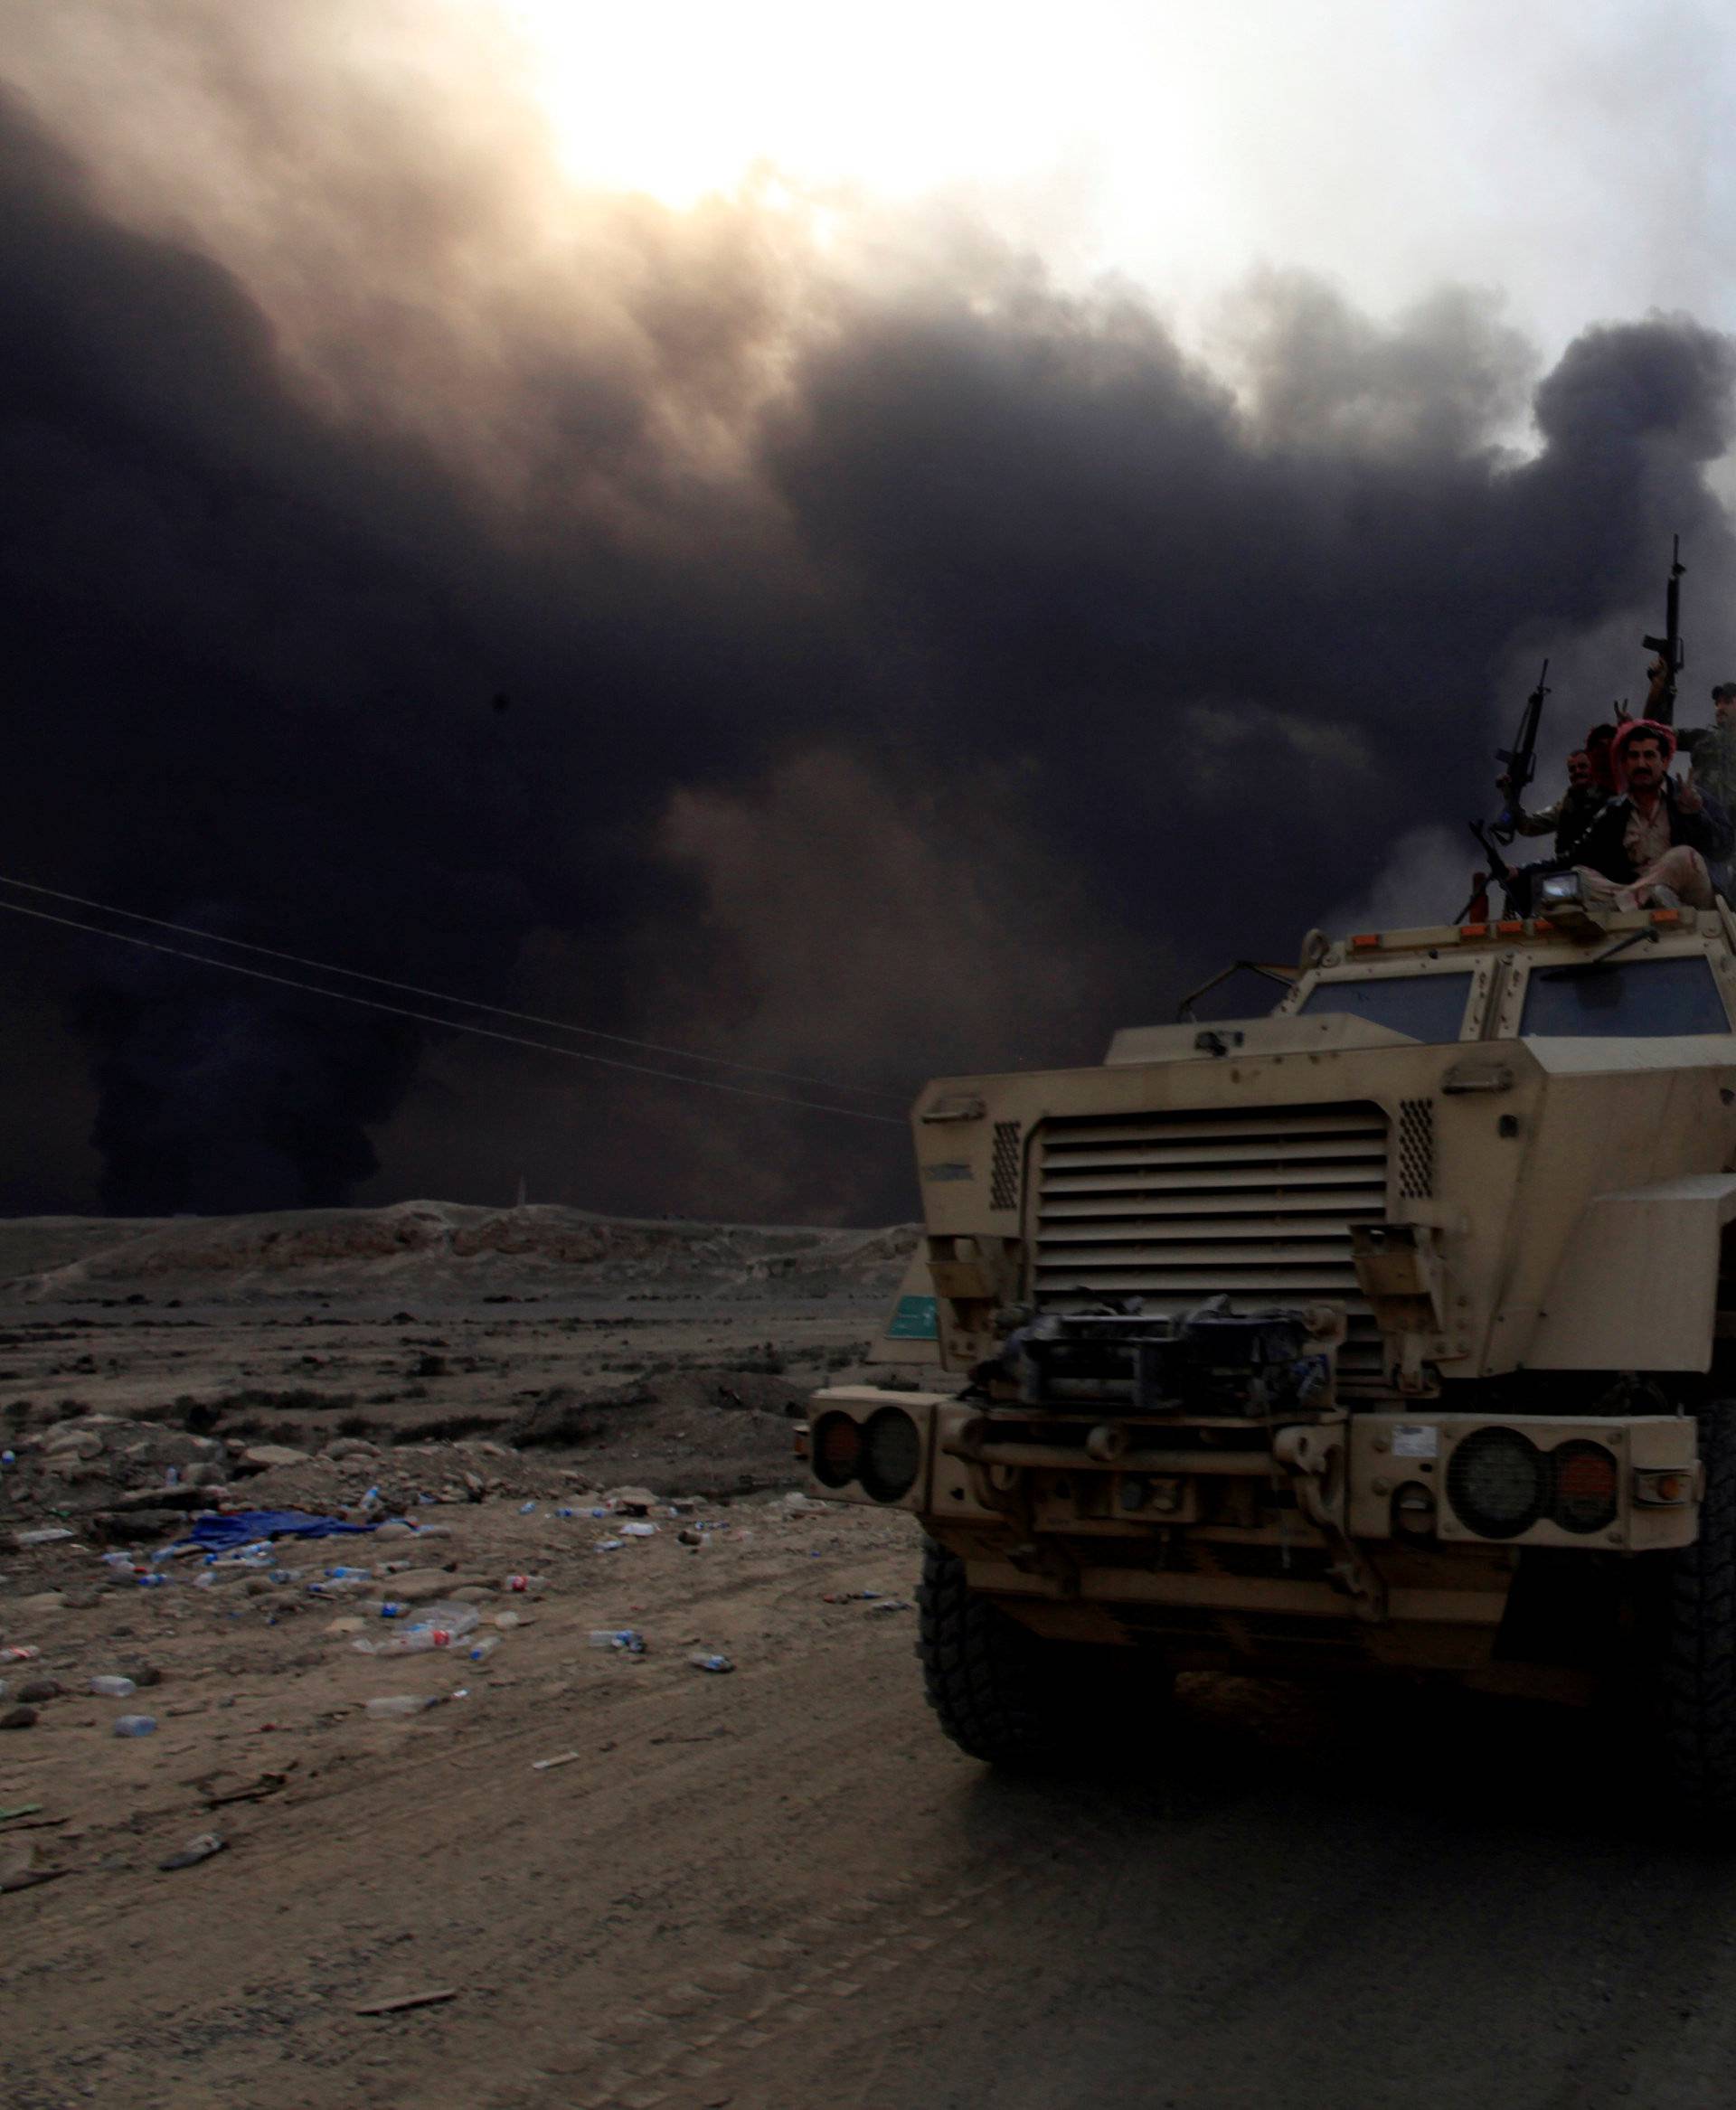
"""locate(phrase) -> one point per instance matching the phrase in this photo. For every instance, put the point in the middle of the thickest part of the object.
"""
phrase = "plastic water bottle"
(519, 1584)
(136, 1724)
(527, 1508)
(342, 1574)
(122, 1563)
(396, 1706)
(449, 1617)
(153, 1582)
(486, 1647)
(624, 1638)
(417, 1642)
(113, 1688)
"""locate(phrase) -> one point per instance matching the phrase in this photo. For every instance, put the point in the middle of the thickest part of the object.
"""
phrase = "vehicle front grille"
(1173, 1208)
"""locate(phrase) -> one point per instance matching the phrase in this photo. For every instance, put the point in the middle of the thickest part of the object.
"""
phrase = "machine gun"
(1520, 761)
(1519, 883)
(1667, 649)
(1500, 871)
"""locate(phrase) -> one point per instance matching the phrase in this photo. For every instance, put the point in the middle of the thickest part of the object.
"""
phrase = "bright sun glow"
(1389, 147)
(682, 99)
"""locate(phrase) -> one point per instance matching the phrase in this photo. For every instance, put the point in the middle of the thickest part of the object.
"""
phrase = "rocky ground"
(552, 1875)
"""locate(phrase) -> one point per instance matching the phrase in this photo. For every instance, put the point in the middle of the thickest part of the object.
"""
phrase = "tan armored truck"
(1395, 1330)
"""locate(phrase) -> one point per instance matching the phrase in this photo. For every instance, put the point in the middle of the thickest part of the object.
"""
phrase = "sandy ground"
(773, 1885)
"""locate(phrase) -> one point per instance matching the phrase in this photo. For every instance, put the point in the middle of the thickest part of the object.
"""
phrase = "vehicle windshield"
(1647, 998)
(1425, 1007)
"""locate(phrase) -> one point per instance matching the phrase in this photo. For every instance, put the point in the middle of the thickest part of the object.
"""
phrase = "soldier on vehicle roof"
(1713, 747)
(1572, 813)
(1650, 846)
(1596, 748)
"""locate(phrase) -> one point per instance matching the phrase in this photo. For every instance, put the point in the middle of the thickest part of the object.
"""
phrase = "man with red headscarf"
(1650, 845)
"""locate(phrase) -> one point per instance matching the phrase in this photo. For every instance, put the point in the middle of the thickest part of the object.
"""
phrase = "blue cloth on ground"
(245, 1527)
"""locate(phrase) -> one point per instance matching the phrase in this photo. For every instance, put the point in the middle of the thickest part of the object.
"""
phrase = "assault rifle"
(1670, 658)
(1517, 882)
(1520, 761)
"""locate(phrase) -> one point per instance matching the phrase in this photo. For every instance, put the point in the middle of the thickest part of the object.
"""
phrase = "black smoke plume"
(709, 641)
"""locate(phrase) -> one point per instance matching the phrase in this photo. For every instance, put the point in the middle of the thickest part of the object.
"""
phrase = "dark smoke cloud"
(902, 674)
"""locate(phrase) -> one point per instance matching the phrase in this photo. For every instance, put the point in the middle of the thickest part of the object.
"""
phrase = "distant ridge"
(446, 1247)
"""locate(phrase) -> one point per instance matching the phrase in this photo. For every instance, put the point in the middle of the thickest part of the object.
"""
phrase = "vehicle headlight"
(1498, 1481)
(1587, 1493)
(890, 1454)
(837, 1444)
(1557, 890)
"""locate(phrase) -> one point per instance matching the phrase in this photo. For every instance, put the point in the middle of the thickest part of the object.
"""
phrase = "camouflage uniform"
(1569, 818)
(1713, 749)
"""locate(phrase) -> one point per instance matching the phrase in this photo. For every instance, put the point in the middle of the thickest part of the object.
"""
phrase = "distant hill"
(435, 1246)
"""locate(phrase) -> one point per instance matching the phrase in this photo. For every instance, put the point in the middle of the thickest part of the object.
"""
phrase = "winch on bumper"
(1202, 1466)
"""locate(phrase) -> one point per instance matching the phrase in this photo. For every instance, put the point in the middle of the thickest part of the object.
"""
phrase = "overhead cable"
(445, 996)
(714, 1084)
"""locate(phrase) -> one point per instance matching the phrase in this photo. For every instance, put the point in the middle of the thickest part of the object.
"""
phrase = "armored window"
(1424, 1007)
(1643, 998)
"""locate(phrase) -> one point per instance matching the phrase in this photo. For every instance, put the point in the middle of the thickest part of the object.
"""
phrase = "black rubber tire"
(1015, 1700)
(1698, 1672)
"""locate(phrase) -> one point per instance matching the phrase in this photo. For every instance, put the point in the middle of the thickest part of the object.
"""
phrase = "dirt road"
(773, 1887)
(779, 1886)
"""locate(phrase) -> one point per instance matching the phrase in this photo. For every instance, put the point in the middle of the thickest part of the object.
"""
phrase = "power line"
(714, 1084)
(530, 1018)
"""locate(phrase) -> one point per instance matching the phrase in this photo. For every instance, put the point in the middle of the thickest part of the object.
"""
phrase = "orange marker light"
(1667, 915)
(1365, 942)
(1473, 930)
(1513, 929)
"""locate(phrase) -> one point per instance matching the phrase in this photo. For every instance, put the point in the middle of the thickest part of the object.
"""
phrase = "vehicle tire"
(1015, 1699)
(1699, 1659)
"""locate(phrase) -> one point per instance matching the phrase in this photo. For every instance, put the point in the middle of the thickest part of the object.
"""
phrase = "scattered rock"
(71, 1440)
(37, 1689)
(265, 1457)
(195, 1851)
(186, 1497)
(175, 1446)
(18, 1718)
(419, 1586)
(630, 1501)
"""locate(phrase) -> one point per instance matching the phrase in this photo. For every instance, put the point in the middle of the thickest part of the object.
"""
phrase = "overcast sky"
(856, 543)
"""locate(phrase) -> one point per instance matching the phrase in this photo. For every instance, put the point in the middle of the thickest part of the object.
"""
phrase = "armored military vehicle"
(1394, 1330)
